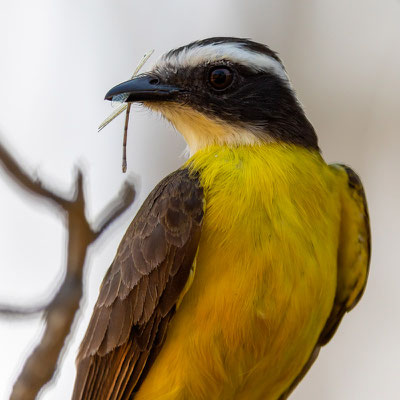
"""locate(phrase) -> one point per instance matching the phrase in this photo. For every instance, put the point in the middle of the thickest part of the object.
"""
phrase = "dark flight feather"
(139, 292)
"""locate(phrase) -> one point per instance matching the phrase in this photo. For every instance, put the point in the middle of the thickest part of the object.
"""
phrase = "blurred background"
(58, 59)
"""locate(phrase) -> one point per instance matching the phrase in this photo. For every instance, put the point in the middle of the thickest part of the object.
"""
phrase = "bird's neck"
(201, 132)
(254, 162)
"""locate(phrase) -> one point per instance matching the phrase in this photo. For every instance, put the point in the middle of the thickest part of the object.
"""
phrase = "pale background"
(58, 58)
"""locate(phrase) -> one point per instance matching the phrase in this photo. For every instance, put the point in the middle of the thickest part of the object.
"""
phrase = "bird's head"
(223, 91)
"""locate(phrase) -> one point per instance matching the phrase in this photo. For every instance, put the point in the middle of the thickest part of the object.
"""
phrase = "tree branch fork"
(59, 313)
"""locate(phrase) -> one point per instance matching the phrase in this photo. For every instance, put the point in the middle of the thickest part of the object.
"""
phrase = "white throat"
(200, 131)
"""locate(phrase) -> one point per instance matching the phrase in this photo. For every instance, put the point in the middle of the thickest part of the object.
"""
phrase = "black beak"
(143, 88)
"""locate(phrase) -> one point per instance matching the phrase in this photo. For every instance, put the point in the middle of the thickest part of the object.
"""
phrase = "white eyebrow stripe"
(234, 52)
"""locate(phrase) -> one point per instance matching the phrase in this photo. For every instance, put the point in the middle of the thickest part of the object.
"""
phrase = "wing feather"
(139, 292)
(353, 262)
(354, 252)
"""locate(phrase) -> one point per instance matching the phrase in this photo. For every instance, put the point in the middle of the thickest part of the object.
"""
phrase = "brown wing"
(139, 292)
(353, 262)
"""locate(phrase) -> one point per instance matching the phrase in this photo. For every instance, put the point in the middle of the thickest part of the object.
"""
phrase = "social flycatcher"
(240, 265)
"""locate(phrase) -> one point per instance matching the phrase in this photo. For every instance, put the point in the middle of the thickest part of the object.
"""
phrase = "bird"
(240, 265)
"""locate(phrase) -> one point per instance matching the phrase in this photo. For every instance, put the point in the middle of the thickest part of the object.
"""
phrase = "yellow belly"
(264, 281)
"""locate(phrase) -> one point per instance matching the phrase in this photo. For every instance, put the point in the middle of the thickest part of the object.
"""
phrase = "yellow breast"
(265, 276)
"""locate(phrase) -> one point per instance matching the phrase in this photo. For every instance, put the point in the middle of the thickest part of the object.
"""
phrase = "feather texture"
(284, 237)
(139, 292)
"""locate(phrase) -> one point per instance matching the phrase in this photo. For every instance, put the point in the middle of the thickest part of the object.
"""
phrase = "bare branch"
(116, 208)
(19, 311)
(19, 176)
(59, 314)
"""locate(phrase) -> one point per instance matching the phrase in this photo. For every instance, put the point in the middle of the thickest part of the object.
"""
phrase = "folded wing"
(354, 252)
(352, 263)
(140, 290)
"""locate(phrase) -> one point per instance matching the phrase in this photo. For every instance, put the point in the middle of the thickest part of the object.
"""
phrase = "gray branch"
(59, 314)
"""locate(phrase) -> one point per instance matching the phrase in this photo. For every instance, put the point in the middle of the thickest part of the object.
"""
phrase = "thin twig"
(20, 177)
(114, 115)
(123, 107)
(17, 311)
(59, 314)
(124, 163)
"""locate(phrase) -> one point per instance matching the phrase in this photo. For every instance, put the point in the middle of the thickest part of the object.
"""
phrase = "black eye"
(220, 78)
